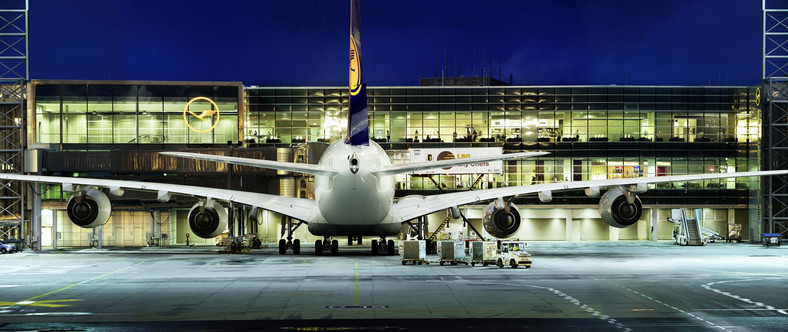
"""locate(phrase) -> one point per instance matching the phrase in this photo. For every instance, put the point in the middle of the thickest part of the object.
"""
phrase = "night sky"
(305, 43)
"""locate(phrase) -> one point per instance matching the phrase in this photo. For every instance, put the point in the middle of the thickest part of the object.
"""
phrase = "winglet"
(358, 122)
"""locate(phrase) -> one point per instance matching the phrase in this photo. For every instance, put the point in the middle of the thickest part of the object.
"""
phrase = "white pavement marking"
(8, 286)
(674, 308)
(743, 299)
(587, 308)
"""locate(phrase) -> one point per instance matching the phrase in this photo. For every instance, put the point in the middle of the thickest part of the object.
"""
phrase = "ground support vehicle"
(484, 252)
(513, 253)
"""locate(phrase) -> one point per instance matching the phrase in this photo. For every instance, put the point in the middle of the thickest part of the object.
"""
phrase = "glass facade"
(100, 115)
(593, 132)
(512, 114)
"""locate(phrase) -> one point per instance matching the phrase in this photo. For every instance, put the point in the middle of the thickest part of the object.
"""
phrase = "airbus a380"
(354, 187)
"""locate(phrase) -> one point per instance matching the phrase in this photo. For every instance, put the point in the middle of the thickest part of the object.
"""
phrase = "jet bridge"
(690, 231)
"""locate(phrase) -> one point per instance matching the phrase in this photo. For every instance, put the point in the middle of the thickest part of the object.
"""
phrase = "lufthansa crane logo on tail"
(355, 68)
(210, 116)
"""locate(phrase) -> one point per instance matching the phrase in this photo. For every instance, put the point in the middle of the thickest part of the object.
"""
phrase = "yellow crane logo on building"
(206, 115)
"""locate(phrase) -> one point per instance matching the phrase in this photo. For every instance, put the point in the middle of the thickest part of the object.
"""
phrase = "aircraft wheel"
(334, 247)
(296, 247)
(359, 240)
(391, 247)
(282, 246)
(318, 248)
(375, 247)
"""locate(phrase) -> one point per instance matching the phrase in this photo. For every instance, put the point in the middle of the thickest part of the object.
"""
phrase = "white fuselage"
(354, 203)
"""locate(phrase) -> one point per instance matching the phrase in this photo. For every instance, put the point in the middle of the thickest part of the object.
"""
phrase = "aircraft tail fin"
(358, 121)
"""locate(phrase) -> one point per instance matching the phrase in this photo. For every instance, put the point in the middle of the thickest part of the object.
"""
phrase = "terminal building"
(114, 129)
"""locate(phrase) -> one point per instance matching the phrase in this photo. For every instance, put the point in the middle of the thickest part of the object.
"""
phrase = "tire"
(335, 247)
(318, 248)
(484, 264)
(441, 263)
(282, 246)
(359, 240)
(350, 240)
(403, 262)
(513, 264)
(296, 247)
(375, 247)
(500, 263)
(419, 262)
(473, 263)
(390, 247)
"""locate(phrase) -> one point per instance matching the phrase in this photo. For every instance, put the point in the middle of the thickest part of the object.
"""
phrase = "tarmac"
(596, 286)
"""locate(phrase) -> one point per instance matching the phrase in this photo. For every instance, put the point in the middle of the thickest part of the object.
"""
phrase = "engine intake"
(209, 221)
(499, 223)
(616, 211)
(89, 210)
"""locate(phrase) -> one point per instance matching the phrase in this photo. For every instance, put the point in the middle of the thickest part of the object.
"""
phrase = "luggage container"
(484, 252)
(413, 251)
(452, 252)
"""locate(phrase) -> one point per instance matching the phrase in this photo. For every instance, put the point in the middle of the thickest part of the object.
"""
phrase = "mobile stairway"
(690, 231)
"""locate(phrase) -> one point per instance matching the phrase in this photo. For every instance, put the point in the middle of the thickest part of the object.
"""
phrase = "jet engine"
(616, 209)
(207, 220)
(90, 209)
(500, 223)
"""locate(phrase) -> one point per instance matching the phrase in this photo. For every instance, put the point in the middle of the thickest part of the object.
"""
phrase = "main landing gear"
(326, 246)
(383, 247)
(290, 243)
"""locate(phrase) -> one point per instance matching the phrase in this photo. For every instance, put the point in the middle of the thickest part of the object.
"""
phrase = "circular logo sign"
(207, 115)
(446, 155)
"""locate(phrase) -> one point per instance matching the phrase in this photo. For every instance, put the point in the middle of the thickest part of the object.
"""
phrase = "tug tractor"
(513, 253)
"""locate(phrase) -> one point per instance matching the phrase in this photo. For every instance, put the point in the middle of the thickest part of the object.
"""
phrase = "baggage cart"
(484, 252)
(452, 252)
(413, 251)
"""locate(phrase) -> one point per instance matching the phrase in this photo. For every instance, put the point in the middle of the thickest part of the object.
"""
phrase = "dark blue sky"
(666, 42)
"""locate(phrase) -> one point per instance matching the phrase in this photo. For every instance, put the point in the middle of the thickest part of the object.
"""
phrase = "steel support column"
(774, 144)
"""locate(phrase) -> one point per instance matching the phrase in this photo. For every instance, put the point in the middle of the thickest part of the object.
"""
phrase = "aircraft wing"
(298, 208)
(413, 207)
(413, 167)
(272, 164)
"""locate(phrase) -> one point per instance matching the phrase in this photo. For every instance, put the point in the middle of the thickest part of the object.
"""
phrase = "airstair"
(690, 231)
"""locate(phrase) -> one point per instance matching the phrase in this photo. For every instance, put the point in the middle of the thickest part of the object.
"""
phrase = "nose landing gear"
(383, 247)
(326, 245)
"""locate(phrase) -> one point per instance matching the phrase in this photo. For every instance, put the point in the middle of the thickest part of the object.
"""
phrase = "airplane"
(354, 187)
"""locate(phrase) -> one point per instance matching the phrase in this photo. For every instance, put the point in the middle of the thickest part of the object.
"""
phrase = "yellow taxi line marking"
(356, 295)
(83, 282)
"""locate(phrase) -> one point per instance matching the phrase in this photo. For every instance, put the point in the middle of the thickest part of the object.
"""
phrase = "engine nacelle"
(616, 211)
(207, 222)
(89, 210)
(499, 223)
